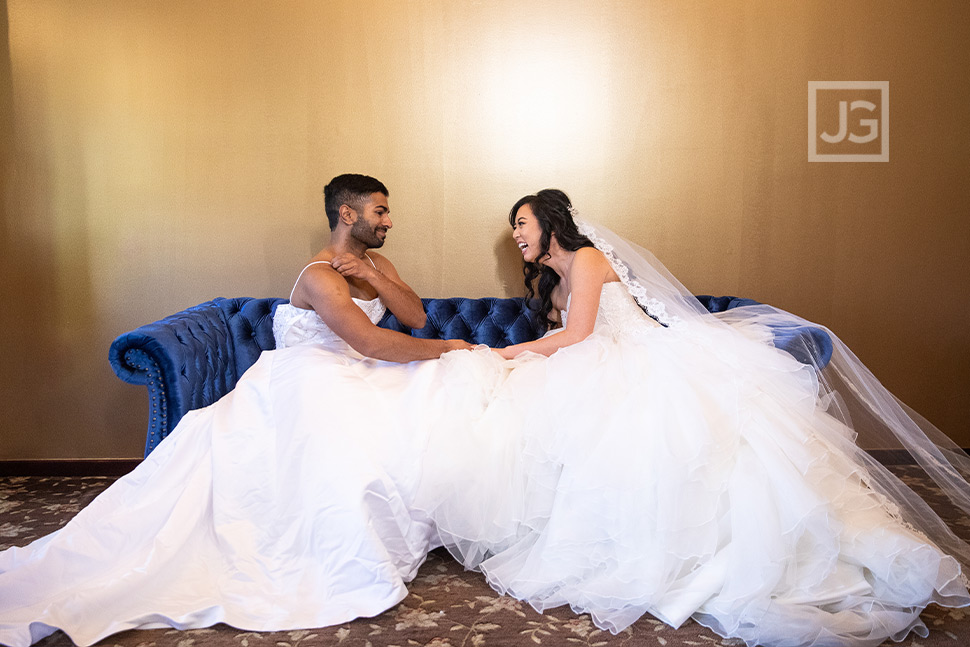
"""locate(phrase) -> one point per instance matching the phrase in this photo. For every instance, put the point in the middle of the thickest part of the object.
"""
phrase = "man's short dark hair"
(350, 189)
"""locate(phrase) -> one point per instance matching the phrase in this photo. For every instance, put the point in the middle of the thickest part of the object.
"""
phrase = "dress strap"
(315, 263)
(301, 276)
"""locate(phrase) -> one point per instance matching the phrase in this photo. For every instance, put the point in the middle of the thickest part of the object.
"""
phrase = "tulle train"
(681, 475)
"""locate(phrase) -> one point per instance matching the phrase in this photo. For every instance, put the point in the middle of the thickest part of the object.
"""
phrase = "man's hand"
(456, 344)
(393, 291)
(352, 267)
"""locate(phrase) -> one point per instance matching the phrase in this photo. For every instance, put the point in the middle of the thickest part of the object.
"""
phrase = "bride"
(645, 456)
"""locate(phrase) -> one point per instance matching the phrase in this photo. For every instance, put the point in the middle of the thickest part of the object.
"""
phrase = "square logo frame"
(814, 155)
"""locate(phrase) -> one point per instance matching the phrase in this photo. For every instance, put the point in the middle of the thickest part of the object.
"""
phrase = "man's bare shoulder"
(321, 284)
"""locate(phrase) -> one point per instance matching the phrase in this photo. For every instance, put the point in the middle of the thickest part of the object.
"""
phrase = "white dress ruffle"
(657, 470)
(286, 504)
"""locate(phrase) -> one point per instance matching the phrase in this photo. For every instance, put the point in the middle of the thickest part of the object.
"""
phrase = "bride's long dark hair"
(552, 209)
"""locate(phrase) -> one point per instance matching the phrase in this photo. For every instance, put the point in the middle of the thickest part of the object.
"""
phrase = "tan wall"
(158, 154)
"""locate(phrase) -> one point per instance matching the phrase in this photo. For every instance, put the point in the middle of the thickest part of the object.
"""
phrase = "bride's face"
(526, 232)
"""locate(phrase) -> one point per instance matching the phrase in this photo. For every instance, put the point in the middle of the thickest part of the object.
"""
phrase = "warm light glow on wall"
(543, 102)
(533, 95)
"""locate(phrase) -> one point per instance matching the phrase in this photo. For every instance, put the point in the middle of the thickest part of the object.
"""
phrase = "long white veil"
(884, 431)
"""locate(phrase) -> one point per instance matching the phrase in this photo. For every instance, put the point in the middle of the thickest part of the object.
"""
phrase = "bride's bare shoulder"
(590, 260)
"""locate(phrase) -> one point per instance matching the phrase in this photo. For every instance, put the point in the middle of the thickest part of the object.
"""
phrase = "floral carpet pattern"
(447, 607)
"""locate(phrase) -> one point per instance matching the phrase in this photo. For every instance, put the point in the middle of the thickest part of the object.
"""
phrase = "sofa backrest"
(192, 358)
(492, 321)
(250, 324)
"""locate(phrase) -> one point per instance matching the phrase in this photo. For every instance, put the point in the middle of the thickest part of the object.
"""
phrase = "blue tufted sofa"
(190, 359)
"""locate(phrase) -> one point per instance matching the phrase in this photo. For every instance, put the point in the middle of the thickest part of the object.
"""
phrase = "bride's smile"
(527, 234)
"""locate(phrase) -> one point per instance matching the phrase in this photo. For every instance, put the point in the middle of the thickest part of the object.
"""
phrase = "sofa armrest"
(720, 304)
(807, 343)
(185, 360)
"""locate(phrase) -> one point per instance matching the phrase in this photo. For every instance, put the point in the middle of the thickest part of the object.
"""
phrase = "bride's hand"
(505, 353)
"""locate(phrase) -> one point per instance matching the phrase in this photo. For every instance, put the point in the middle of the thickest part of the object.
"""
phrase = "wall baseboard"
(68, 467)
(898, 456)
(121, 466)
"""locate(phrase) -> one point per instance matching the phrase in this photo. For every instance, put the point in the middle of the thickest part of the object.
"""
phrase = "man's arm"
(329, 294)
(393, 291)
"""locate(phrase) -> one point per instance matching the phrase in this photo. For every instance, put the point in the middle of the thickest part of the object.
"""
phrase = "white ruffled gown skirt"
(681, 475)
(287, 504)
(656, 472)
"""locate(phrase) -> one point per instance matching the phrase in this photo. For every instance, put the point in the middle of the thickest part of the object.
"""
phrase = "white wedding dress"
(681, 473)
(284, 505)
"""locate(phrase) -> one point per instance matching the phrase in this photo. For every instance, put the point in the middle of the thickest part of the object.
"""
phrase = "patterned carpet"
(447, 607)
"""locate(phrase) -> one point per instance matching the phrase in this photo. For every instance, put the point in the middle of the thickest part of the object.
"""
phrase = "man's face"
(373, 221)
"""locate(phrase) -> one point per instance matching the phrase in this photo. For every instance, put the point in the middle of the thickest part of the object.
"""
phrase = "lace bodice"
(294, 326)
(618, 312)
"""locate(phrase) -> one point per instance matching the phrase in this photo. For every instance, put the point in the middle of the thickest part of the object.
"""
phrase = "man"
(359, 218)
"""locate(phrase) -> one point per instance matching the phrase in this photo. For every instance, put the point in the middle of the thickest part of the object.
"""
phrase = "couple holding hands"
(642, 457)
